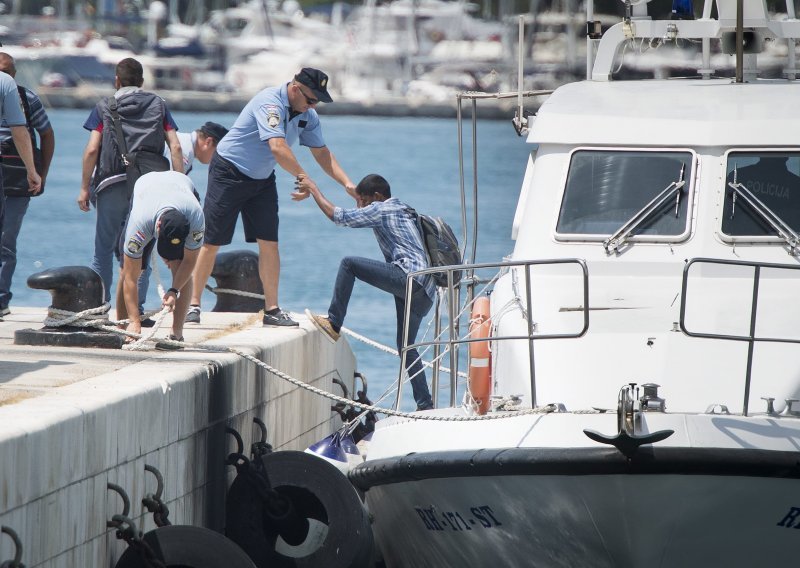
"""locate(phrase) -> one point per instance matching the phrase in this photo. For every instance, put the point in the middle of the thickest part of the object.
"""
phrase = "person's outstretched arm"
(328, 162)
(306, 185)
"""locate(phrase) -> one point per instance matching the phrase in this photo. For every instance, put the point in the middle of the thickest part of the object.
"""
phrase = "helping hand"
(301, 188)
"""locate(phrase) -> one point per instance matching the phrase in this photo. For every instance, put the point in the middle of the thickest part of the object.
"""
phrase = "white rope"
(235, 292)
(392, 351)
(159, 285)
(79, 318)
(140, 344)
(87, 318)
(96, 318)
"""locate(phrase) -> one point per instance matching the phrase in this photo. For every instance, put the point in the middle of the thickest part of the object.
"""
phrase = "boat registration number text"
(478, 517)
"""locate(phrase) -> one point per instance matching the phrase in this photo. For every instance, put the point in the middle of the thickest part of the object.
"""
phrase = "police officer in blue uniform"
(241, 179)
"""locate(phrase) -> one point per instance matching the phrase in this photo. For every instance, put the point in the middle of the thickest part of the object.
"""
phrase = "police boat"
(628, 394)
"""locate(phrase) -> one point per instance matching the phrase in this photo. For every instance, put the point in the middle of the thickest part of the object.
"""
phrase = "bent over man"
(166, 214)
(241, 179)
(401, 244)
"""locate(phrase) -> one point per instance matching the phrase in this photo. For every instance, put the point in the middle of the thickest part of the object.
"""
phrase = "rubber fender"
(186, 546)
(340, 534)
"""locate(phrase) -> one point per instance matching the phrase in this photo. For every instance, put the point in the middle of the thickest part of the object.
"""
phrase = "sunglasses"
(309, 100)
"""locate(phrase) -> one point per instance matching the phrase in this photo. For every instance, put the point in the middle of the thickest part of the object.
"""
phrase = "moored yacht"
(631, 396)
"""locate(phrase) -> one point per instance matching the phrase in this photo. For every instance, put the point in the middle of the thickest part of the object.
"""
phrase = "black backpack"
(440, 245)
(138, 162)
(15, 174)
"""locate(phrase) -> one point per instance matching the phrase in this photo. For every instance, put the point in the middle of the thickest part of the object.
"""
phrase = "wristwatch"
(174, 291)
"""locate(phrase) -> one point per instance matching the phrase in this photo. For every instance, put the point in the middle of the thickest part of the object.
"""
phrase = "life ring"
(480, 359)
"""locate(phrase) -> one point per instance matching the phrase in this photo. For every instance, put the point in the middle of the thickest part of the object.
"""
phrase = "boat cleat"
(789, 411)
(770, 405)
(717, 409)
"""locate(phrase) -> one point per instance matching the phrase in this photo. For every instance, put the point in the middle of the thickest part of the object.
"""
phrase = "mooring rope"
(86, 319)
(235, 292)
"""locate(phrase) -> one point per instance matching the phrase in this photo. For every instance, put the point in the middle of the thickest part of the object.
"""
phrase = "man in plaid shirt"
(401, 245)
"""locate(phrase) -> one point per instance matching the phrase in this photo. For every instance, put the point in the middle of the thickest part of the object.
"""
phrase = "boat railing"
(520, 124)
(450, 311)
(750, 338)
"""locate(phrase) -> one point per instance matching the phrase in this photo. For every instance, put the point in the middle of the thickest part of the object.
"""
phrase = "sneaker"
(281, 319)
(4, 311)
(147, 322)
(163, 346)
(324, 325)
(193, 315)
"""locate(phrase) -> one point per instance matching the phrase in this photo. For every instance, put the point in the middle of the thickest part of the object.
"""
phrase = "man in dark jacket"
(146, 124)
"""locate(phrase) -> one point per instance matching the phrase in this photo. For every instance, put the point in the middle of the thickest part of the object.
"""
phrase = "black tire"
(184, 546)
(316, 490)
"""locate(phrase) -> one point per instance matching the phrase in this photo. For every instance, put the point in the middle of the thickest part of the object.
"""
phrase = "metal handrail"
(751, 338)
(453, 341)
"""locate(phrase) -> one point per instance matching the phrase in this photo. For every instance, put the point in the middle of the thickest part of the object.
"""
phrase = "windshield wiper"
(778, 225)
(620, 237)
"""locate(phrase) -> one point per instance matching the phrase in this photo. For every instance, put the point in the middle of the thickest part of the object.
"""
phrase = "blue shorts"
(229, 193)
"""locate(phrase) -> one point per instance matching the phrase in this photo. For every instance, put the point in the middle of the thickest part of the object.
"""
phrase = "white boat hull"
(746, 518)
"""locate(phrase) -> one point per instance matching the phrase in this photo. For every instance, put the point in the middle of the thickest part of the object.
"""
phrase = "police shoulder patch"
(134, 246)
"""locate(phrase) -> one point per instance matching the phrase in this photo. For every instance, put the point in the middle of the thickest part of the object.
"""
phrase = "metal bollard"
(238, 271)
(73, 289)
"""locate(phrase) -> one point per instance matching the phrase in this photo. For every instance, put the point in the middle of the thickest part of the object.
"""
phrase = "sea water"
(419, 158)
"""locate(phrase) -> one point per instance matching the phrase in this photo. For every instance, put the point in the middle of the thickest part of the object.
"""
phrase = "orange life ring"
(480, 360)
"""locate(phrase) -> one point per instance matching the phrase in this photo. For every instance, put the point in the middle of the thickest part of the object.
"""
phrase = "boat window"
(606, 189)
(773, 179)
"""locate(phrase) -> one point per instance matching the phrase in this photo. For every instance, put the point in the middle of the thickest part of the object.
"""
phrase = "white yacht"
(643, 345)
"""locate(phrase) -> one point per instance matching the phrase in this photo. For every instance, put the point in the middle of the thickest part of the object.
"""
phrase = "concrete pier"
(73, 420)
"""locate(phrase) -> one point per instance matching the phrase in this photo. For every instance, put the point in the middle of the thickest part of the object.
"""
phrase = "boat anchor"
(629, 418)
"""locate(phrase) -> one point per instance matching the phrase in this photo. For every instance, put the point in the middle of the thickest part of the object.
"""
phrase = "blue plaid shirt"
(397, 234)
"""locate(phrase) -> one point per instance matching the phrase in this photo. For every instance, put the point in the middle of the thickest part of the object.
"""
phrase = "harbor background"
(418, 156)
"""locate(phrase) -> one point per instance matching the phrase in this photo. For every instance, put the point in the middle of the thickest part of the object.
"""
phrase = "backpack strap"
(123, 147)
(26, 108)
(26, 105)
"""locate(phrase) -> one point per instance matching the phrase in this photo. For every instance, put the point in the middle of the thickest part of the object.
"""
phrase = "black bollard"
(73, 289)
(238, 270)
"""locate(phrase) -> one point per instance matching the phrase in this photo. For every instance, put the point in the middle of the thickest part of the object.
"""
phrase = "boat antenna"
(519, 121)
(740, 41)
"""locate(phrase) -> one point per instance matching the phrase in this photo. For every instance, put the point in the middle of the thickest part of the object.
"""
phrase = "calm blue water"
(418, 157)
